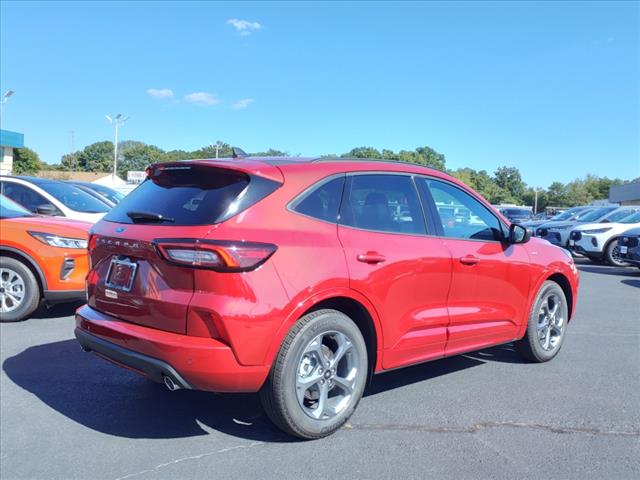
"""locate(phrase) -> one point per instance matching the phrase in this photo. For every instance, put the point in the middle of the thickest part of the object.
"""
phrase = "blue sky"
(552, 88)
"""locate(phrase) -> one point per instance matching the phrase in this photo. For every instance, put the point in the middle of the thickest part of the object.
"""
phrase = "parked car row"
(44, 227)
(590, 231)
(75, 200)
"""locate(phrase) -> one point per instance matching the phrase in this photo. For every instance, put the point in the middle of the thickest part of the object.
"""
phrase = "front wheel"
(612, 255)
(318, 376)
(547, 325)
(19, 291)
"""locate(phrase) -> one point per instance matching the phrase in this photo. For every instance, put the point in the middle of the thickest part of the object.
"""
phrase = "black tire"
(31, 298)
(279, 394)
(611, 254)
(532, 347)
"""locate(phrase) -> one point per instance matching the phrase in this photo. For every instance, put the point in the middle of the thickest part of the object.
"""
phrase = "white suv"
(599, 241)
(51, 197)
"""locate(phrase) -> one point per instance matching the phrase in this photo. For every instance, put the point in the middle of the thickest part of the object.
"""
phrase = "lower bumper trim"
(153, 368)
(58, 296)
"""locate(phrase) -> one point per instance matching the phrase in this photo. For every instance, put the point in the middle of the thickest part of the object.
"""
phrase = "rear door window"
(383, 203)
(192, 195)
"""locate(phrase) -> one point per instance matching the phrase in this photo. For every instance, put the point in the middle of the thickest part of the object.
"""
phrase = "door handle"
(371, 257)
(469, 260)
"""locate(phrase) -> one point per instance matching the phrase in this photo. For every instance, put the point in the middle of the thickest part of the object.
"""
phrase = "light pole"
(218, 145)
(535, 201)
(116, 122)
(4, 100)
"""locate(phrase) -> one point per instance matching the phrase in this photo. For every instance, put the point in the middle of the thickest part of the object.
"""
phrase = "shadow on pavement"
(608, 270)
(633, 283)
(111, 400)
(56, 311)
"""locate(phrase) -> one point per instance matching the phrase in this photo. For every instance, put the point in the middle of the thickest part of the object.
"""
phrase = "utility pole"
(218, 145)
(116, 121)
(73, 141)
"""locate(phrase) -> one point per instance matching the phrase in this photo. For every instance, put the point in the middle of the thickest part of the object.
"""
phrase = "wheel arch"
(565, 285)
(29, 262)
(361, 317)
(344, 300)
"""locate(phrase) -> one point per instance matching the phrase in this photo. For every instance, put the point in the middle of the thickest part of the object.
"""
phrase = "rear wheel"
(612, 254)
(19, 291)
(547, 325)
(318, 377)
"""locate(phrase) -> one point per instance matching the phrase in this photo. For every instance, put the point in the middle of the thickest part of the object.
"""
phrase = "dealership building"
(8, 142)
(627, 194)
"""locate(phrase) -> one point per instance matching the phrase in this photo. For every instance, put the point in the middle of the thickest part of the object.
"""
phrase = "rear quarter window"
(321, 201)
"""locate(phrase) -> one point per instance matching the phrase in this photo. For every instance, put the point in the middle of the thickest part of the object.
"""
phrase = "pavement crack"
(486, 425)
(191, 457)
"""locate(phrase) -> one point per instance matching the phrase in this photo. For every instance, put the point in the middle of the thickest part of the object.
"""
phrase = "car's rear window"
(185, 195)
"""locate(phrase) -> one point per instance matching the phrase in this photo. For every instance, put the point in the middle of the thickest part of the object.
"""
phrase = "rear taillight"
(93, 241)
(219, 255)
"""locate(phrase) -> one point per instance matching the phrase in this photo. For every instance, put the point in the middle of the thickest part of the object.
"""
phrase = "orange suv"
(41, 258)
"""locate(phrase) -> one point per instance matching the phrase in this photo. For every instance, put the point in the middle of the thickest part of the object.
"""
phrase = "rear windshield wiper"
(148, 217)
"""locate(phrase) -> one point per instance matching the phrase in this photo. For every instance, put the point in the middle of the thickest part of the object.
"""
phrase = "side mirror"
(46, 209)
(519, 234)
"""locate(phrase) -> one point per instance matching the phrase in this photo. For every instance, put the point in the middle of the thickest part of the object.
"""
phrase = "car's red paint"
(426, 296)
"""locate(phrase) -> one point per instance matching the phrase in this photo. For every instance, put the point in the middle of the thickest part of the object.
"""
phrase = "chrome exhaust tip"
(170, 384)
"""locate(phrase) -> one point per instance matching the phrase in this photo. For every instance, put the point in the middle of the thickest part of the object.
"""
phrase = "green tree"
(362, 152)
(271, 153)
(26, 161)
(224, 151)
(557, 194)
(71, 161)
(97, 157)
(510, 181)
(176, 155)
(137, 156)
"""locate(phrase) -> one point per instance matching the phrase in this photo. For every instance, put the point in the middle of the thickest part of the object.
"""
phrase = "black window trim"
(435, 216)
(291, 206)
(347, 190)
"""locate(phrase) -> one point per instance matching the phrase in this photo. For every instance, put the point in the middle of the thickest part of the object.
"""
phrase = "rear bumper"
(191, 362)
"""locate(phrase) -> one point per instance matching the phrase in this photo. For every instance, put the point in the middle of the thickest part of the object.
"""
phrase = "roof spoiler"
(238, 153)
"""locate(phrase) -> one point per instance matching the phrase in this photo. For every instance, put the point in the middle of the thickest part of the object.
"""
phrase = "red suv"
(301, 278)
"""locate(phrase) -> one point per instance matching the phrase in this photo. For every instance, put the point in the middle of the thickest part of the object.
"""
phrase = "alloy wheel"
(12, 290)
(551, 322)
(327, 374)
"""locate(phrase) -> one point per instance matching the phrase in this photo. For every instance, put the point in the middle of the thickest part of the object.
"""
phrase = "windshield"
(516, 212)
(109, 193)
(593, 215)
(10, 209)
(618, 215)
(633, 218)
(74, 198)
(569, 214)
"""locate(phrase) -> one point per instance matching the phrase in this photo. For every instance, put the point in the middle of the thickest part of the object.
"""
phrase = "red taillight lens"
(93, 241)
(224, 256)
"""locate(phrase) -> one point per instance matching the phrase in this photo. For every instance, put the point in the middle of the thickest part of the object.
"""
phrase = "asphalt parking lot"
(67, 414)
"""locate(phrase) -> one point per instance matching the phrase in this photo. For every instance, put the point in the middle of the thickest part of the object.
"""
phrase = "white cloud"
(244, 27)
(244, 103)
(202, 98)
(160, 93)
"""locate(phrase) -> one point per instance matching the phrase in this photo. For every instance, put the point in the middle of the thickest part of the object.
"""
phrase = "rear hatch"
(132, 276)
